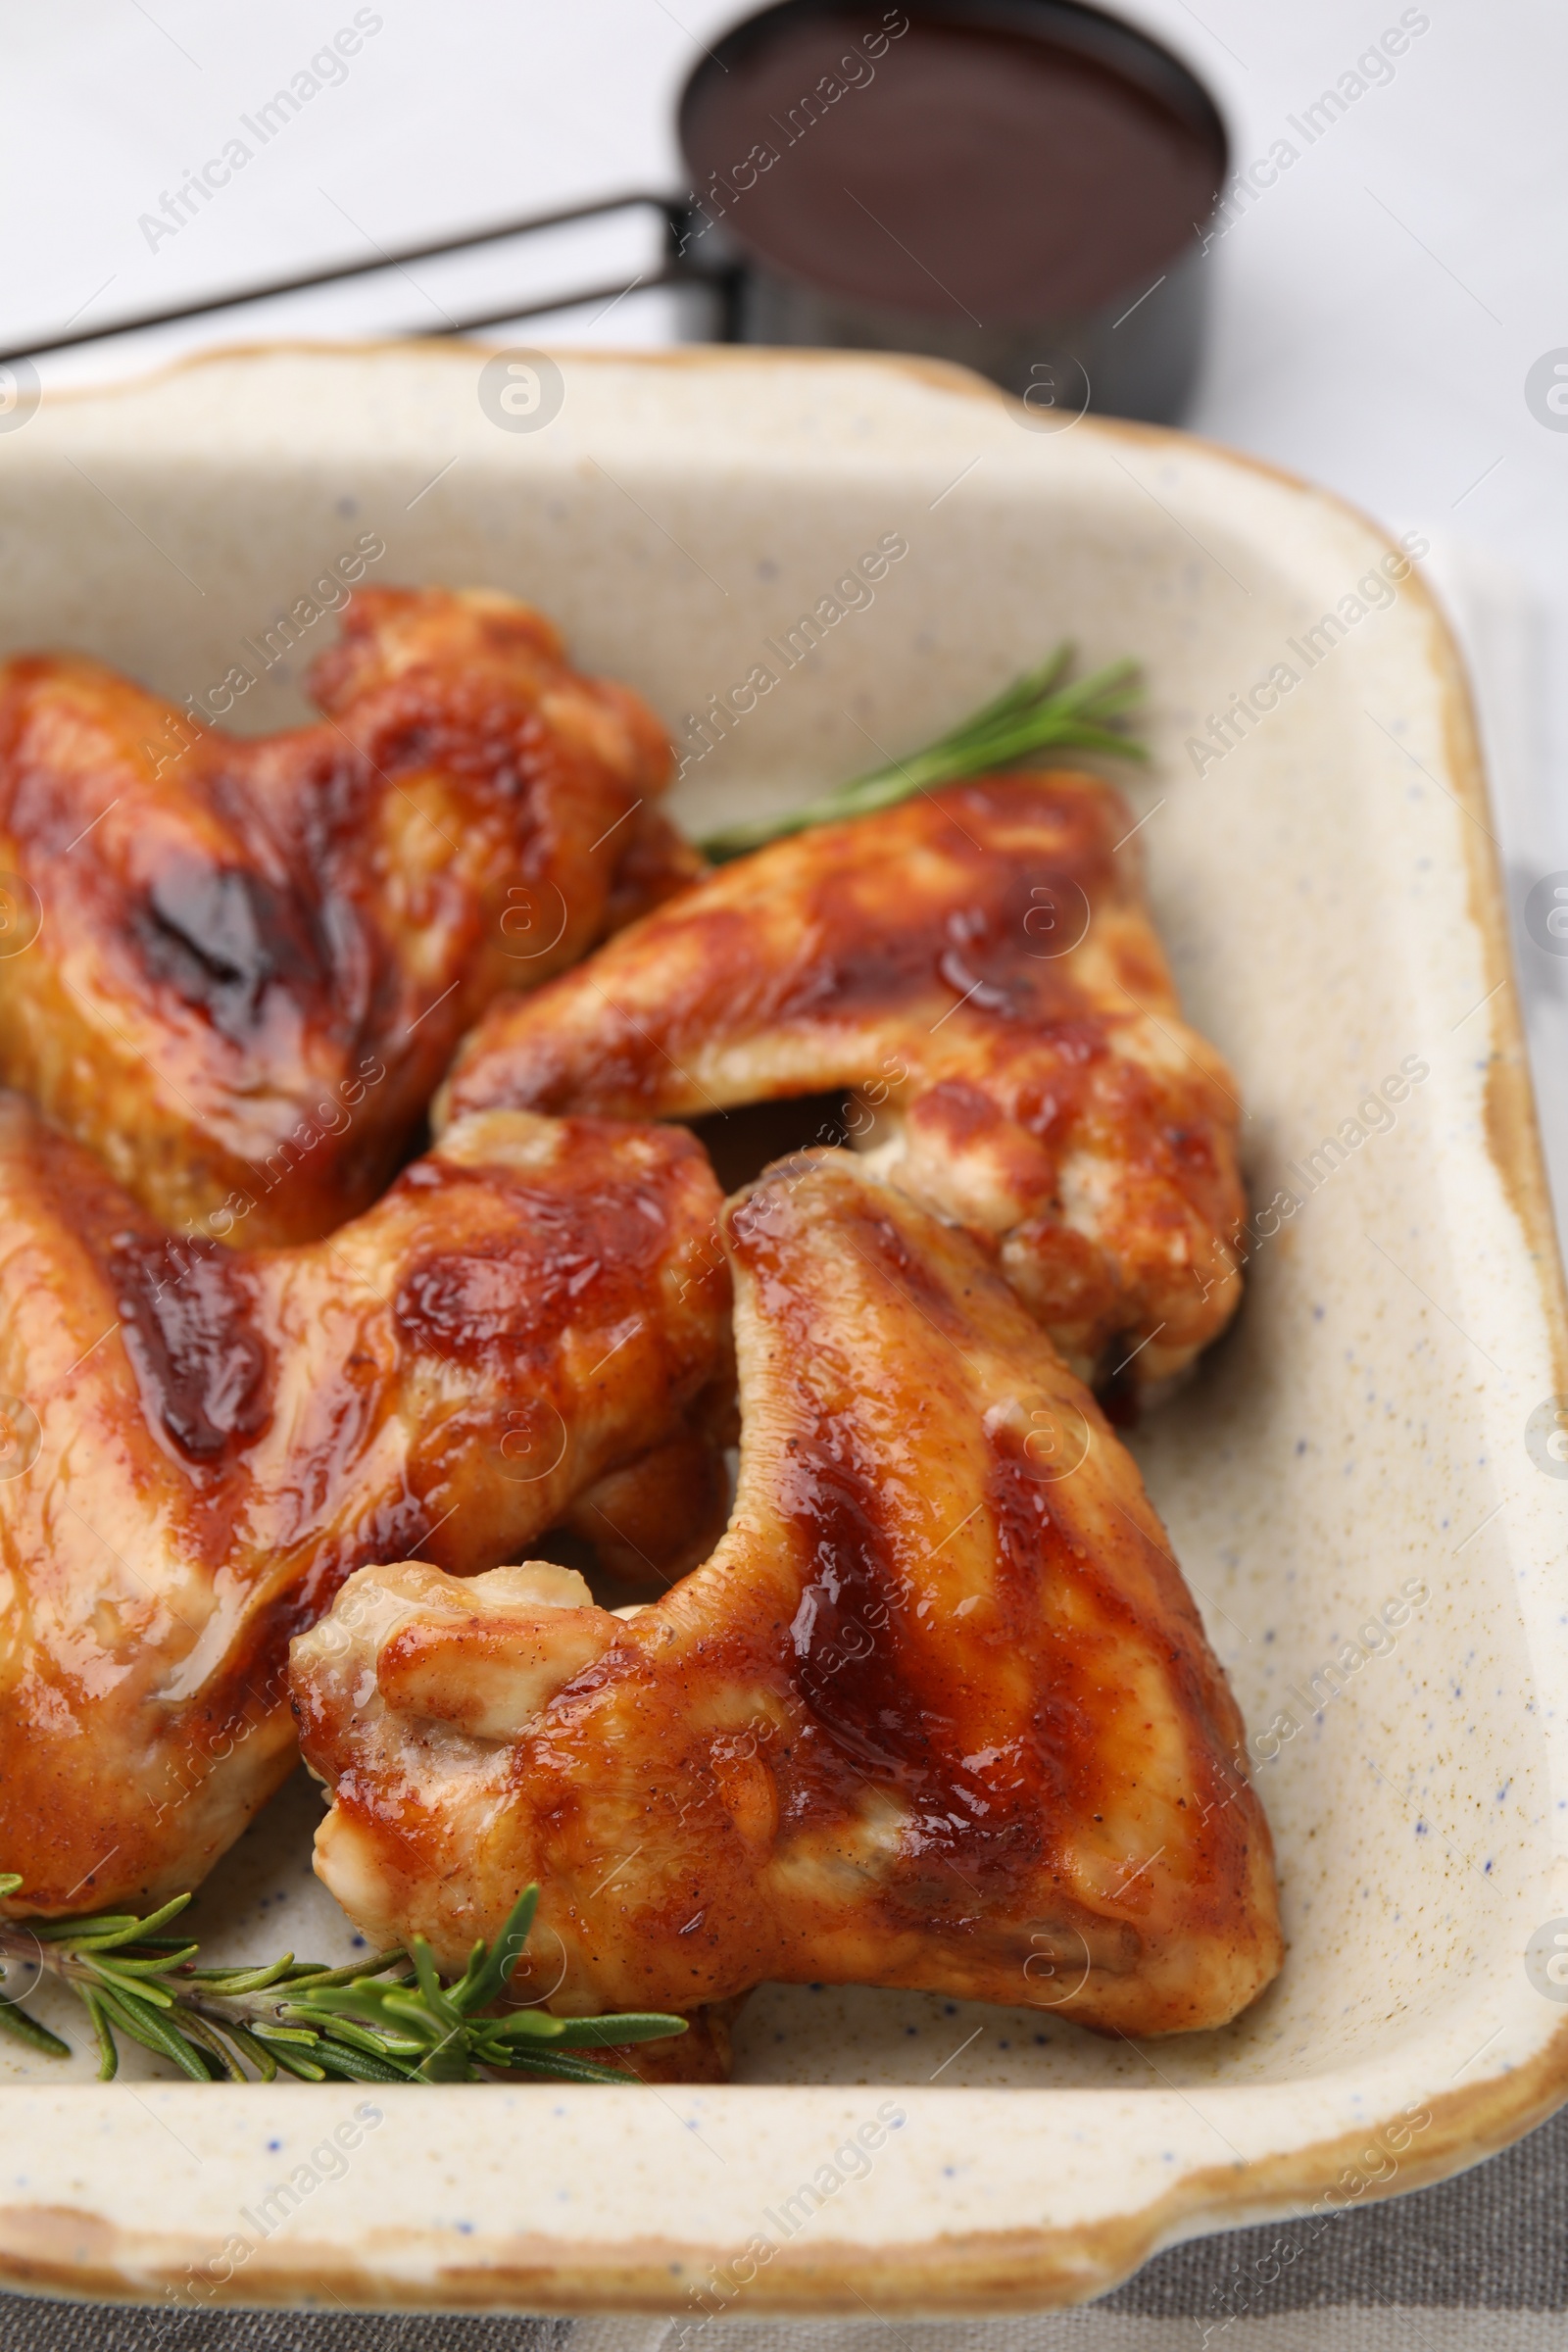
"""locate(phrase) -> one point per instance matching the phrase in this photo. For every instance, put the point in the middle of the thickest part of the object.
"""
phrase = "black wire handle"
(677, 269)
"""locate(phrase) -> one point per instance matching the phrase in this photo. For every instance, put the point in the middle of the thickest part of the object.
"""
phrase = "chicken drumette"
(939, 1712)
(237, 968)
(979, 966)
(198, 1444)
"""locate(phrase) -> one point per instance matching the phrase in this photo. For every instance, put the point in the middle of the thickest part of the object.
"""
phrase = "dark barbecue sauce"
(951, 169)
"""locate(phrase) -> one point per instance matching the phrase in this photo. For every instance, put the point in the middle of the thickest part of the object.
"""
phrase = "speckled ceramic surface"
(1369, 1444)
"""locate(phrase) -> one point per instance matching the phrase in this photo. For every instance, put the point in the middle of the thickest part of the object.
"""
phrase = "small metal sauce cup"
(1134, 353)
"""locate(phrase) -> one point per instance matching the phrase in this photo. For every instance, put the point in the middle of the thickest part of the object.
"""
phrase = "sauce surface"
(963, 171)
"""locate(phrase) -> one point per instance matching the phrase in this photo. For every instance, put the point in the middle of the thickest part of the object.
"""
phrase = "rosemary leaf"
(384, 2008)
(319, 1978)
(78, 1932)
(357, 2066)
(27, 2029)
(487, 1974)
(100, 1933)
(526, 2025)
(435, 2000)
(123, 1965)
(604, 2032)
(561, 2066)
(449, 2062)
(260, 2056)
(1035, 713)
(357, 2024)
(206, 2035)
(108, 2046)
(296, 2063)
(343, 2030)
(132, 1988)
(226, 1981)
(143, 2023)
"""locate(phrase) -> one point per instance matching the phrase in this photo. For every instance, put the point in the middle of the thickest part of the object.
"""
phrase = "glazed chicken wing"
(201, 1444)
(252, 959)
(939, 1712)
(980, 966)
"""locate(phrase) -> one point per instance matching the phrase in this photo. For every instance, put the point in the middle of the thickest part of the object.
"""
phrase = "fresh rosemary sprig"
(1037, 712)
(385, 2020)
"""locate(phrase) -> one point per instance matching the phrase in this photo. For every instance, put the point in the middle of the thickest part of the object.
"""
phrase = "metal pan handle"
(676, 268)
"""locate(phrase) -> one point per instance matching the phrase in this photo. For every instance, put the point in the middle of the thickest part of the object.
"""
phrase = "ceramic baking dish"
(1358, 1482)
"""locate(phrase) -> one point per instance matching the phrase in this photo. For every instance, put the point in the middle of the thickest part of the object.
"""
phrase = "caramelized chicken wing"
(939, 1712)
(245, 963)
(979, 966)
(201, 1444)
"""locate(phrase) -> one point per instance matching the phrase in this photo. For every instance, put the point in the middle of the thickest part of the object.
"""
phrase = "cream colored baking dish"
(1357, 1482)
